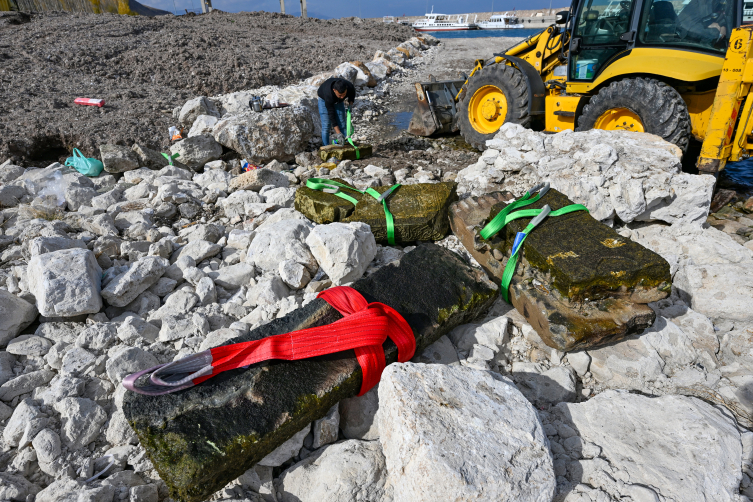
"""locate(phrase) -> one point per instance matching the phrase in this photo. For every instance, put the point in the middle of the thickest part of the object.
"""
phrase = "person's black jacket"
(330, 100)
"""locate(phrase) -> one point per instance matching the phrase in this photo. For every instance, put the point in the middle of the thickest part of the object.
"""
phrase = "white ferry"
(501, 22)
(443, 22)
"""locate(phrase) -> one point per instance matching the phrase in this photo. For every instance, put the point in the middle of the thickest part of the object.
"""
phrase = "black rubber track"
(660, 107)
(512, 83)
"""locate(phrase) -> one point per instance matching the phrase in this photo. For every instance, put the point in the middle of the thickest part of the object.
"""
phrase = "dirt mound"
(144, 67)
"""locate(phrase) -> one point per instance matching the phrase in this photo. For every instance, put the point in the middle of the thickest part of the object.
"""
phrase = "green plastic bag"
(87, 167)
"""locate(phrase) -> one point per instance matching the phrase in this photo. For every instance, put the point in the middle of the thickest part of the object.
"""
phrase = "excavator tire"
(660, 108)
(494, 80)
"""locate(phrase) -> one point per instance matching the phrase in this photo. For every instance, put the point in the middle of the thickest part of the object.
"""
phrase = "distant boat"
(501, 22)
(442, 22)
(388, 19)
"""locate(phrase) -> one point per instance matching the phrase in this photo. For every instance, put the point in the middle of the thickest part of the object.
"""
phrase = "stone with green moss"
(202, 438)
(345, 152)
(420, 211)
(579, 283)
(585, 258)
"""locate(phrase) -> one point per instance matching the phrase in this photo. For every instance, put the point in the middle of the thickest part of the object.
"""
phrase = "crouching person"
(332, 96)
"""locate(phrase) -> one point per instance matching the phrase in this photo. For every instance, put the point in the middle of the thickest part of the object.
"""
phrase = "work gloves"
(339, 138)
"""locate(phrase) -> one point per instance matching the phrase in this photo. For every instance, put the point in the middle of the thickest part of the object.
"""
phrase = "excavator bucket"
(435, 111)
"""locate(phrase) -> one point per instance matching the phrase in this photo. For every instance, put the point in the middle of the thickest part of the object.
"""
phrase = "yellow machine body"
(721, 116)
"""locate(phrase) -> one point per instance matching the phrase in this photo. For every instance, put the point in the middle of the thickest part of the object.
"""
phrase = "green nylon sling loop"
(334, 187)
(507, 215)
(170, 158)
(349, 133)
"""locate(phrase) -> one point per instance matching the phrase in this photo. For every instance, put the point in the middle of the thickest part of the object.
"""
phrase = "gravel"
(144, 67)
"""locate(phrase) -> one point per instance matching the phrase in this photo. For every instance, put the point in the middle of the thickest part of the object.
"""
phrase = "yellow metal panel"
(699, 108)
(740, 146)
(685, 66)
(4, 5)
(560, 112)
(717, 143)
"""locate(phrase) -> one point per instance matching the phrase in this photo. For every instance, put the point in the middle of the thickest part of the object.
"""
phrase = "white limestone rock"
(234, 276)
(343, 250)
(294, 274)
(613, 173)
(25, 413)
(66, 283)
(286, 240)
(343, 472)
(665, 448)
(15, 314)
(196, 107)
(69, 490)
(82, 421)
(543, 387)
(198, 250)
(358, 416)
(440, 352)
(278, 133)
(29, 345)
(454, 433)
(16, 488)
(47, 445)
(24, 383)
(712, 272)
(256, 179)
(197, 150)
(203, 124)
(286, 450)
(127, 361)
(326, 429)
(124, 288)
(118, 159)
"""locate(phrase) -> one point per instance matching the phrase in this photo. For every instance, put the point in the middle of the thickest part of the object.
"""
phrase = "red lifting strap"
(363, 328)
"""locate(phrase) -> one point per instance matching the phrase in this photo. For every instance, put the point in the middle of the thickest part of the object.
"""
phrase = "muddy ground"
(394, 147)
(144, 67)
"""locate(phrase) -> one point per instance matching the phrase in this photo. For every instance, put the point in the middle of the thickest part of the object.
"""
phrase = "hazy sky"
(362, 8)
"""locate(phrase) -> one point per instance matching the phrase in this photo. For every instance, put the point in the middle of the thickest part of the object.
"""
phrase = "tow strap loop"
(509, 214)
(334, 188)
(364, 328)
(349, 133)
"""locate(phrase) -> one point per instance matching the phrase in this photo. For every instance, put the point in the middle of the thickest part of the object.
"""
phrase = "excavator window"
(696, 24)
(598, 28)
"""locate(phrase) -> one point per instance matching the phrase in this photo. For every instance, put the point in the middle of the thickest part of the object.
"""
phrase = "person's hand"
(722, 29)
(339, 138)
(337, 130)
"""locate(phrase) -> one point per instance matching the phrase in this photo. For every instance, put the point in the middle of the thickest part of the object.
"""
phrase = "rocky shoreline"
(148, 263)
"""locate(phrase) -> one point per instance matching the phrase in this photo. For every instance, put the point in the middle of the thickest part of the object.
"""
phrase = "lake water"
(517, 33)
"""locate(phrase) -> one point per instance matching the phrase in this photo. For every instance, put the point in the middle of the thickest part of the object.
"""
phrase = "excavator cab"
(678, 69)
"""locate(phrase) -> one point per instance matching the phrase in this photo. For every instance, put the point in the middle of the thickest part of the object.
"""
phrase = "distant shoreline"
(485, 15)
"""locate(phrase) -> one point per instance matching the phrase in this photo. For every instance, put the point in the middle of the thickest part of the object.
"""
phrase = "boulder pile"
(148, 263)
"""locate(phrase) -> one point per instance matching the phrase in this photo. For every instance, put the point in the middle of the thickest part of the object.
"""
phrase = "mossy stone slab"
(202, 438)
(587, 259)
(344, 152)
(562, 323)
(420, 211)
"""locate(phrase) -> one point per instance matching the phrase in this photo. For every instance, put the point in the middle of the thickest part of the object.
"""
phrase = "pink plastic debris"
(90, 102)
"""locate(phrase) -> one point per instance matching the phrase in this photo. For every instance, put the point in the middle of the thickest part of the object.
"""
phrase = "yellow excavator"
(680, 69)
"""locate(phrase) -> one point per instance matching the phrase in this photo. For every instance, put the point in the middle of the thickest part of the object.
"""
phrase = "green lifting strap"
(507, 215)
(334, 188)
(498, 222)
(349, 133)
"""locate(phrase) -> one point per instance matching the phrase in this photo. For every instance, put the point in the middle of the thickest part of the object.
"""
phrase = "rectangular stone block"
(579, 283)
(420, 211)
(344, 152)
(202, 438)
